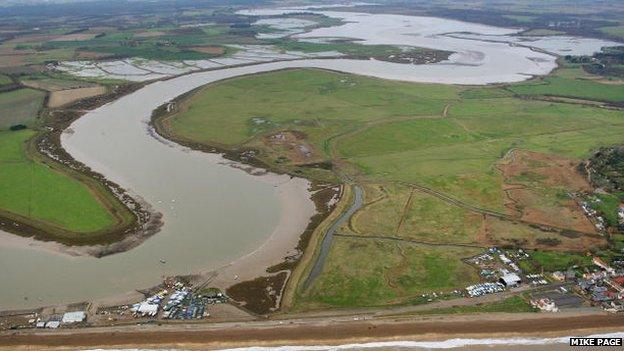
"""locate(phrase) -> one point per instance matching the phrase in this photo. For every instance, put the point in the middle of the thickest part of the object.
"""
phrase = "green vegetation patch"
(4, 80)
(617, 31)
(365, 272)
(286, 97)
(608, 206)
(521, 18)
(20, 107)
(542, 32)
(448, 138)
(404, 135)
(400, 211)
(515, 304)
(550, 261)
(35, 191)
(572, 88)
(347, 48)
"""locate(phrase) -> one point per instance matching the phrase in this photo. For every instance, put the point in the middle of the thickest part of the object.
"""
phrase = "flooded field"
(141, 70)
(215, 214)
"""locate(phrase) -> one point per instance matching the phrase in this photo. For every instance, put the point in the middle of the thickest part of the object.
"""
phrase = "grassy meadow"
(617, 31)
(377, 272)
(394, 131)
(36, 192)
(390, 137)
(571, 88)
(20, 107)
(4, 80)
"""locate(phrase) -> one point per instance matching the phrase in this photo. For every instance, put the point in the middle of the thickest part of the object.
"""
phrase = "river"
(215, 214)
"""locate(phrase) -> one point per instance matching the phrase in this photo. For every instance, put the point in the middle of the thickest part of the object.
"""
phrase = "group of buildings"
(604, 286)
(67, 318)
(177, 301)
(601, 285)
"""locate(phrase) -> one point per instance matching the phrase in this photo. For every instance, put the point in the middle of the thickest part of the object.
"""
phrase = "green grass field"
(572, 88)
(608, 206)
(554, 261)
(617, 31)
(397, 211)
(4, 80)
(35, 191)
(20, 107)
(387, 135)
(542, 32)
(509, 305)
(395, 131)
(364, 272)
(301, 95)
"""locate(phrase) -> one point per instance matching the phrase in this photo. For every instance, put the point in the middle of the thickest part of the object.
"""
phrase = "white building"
(510, 280)
(73, 317)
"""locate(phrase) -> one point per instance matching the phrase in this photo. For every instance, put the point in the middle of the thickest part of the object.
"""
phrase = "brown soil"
(64, 97)
(33, 38)
(212, 50)
(75, 37)
(503, 233)
(12, 58)
(90, 55)
(528, 176)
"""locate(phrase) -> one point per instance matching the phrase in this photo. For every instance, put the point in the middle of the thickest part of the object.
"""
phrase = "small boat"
(163, 261)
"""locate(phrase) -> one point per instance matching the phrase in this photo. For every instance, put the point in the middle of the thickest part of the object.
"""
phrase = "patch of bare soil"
(33, 38)
(64, 97)
(210, 49)
(90, 55)
(75, 37)
(539, 189)
(502, 233)
(292, 145)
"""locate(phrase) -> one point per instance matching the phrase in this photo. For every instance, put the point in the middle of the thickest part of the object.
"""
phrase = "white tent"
(510, 279)
(73, 317)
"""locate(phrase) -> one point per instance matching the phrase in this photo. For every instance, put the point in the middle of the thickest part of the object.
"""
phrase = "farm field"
(54, 84)
(572, 88)
(38, 193)
(4, 80)
(446, 170)
(62, 97)
(20, 107)
(617, 31)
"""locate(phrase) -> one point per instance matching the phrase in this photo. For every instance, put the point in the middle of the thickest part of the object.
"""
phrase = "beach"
(320, 331)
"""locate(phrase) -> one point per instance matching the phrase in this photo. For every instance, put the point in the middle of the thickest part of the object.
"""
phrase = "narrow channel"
(329, 236)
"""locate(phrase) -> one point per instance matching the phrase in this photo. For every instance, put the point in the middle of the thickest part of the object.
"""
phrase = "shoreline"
(317, 332)
(281, 243)
(136, 219)
(298, 208)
